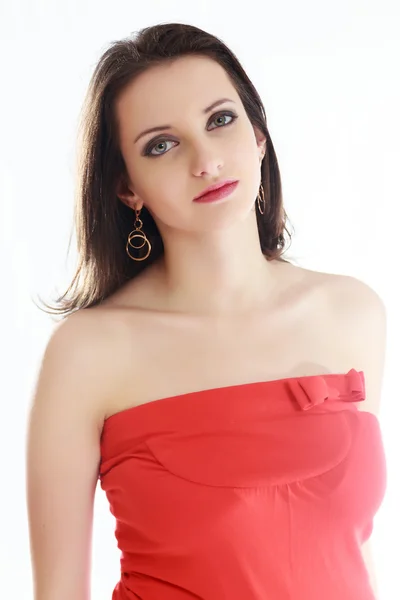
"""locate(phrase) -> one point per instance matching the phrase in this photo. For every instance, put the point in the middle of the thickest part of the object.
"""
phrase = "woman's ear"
(127, 196)
(261, 142)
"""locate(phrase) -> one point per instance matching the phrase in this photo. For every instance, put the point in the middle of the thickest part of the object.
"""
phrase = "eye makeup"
(153, 143)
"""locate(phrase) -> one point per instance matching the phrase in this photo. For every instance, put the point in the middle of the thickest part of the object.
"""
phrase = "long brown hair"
(102, 221)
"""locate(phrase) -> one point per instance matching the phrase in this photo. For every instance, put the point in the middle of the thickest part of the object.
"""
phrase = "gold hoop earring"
(137, 233)
(262, 199)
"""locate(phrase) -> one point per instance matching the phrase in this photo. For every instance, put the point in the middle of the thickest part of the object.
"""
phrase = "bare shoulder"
(358, 308)
(84, 347)
(353, 296)
(359, 325)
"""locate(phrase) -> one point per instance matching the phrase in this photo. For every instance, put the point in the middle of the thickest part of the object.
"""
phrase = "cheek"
(163, 186)
(243, 147)
(153, 183)
(162, 192)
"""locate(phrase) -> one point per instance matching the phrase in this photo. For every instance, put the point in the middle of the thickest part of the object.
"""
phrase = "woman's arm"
(62, 461)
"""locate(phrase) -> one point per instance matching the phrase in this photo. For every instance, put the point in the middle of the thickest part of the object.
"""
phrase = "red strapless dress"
(259, 491)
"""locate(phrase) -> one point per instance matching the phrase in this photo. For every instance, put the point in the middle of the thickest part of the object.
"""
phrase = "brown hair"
(102, 221)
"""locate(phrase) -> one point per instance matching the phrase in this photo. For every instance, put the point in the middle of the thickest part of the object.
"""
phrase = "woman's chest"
(169, 356)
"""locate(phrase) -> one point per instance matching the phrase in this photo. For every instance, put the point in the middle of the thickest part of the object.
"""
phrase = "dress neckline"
(262, 383)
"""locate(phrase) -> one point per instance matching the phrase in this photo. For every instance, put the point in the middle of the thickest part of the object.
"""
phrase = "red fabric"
(257, 491)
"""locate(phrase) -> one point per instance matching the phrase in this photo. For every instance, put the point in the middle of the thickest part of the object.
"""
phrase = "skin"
(213, 304)
(212, 262)
(213, 266)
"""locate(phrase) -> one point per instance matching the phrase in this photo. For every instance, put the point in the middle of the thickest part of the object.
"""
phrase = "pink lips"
(217, 191)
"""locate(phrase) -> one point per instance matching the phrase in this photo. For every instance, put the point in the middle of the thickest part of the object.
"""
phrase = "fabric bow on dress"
(314, 390)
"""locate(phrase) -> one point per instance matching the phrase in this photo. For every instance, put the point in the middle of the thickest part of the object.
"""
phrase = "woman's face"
(167, 168)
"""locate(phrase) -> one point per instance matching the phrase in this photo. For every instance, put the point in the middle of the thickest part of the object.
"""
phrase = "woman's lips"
(221, 192)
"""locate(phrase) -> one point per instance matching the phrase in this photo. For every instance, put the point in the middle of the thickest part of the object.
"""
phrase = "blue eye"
(160, 142)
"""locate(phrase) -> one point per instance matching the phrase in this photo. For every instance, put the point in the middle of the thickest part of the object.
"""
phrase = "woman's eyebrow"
(162, 127)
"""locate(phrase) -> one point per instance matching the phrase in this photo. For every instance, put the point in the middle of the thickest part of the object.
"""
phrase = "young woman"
(226, 399)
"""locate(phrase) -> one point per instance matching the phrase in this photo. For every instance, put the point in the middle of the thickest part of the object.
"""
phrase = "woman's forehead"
(189, 83)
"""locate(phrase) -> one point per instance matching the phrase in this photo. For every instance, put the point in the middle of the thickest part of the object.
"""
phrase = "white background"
(328, 74)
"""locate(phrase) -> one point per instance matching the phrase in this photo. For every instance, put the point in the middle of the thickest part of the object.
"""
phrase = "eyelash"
(148, 149)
